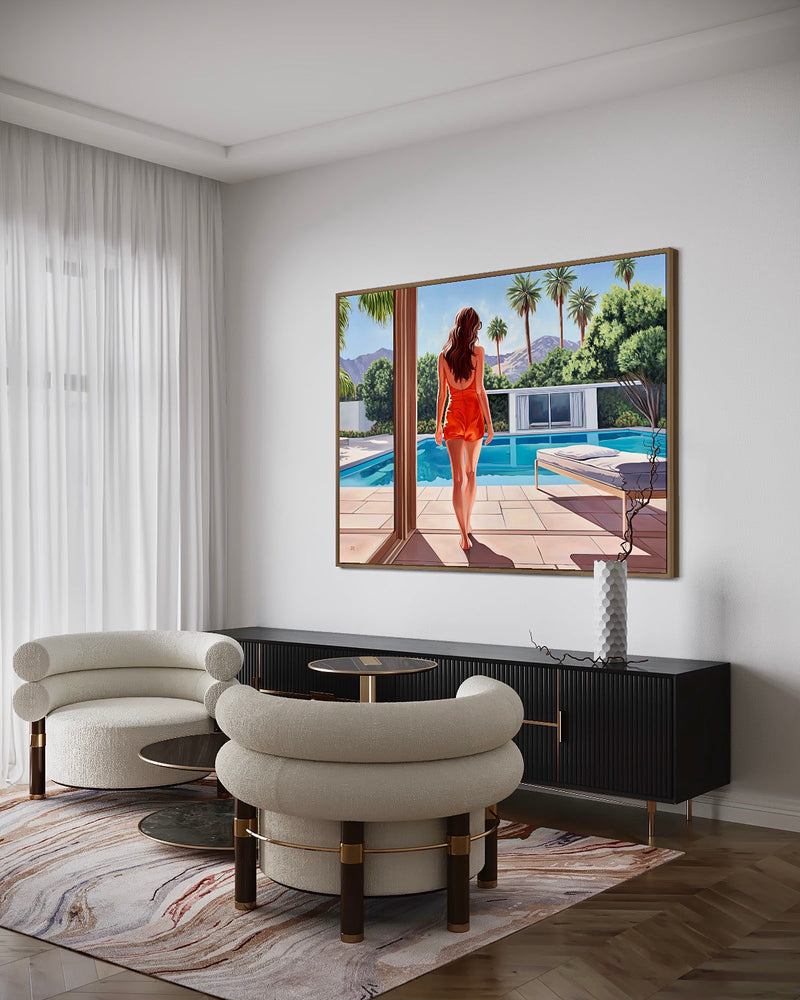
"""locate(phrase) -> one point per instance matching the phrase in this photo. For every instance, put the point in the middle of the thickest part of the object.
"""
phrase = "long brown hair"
(459, 349)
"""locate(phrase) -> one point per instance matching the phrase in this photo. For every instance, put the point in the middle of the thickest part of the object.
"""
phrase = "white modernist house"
(553, 406)
(352, 416)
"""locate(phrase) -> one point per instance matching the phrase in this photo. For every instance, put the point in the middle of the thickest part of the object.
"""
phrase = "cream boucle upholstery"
(218, 655)
(95, 744)
(402, 768)
(105, 695)
(484, 714)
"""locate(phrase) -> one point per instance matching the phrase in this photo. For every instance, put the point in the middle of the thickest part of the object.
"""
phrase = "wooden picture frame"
(387, 524)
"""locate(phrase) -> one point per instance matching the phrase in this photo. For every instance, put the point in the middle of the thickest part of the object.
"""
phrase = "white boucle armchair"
(105, 695)
(370, 799)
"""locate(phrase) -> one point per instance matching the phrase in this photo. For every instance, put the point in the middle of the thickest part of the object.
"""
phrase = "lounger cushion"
(581, 452)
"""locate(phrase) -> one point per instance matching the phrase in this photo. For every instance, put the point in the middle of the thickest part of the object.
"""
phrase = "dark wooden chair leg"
(37, 759)
(487, 876)
(458, 844)
(244, 853)
(351, 858)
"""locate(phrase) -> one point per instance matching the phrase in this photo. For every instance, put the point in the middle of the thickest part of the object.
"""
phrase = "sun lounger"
(621, 473)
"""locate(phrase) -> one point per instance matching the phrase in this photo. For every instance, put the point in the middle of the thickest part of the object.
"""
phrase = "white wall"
(712, 169)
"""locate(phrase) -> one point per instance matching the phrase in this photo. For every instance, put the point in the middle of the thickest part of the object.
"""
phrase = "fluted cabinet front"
(659, 731)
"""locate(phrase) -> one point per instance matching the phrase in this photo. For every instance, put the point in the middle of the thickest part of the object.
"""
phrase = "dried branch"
(641, 497)
(599, 661)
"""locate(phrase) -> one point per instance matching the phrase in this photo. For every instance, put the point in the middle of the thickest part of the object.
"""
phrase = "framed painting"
(516, 421)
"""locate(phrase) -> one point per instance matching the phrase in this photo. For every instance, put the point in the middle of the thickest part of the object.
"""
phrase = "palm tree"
(557, 284)
(581, 306)
(379, 306)
(522, 296)
(624, 268)
(496, 331)
(346, 387)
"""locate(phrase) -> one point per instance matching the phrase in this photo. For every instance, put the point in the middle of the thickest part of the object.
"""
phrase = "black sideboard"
(657, 730)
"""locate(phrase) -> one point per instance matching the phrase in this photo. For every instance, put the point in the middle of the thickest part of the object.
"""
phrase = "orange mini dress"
(464, 418)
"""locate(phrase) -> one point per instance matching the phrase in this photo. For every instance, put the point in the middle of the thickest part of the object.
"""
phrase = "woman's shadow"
(481, 555)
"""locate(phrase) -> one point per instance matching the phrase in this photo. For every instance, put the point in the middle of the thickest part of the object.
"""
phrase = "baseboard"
(774, 813)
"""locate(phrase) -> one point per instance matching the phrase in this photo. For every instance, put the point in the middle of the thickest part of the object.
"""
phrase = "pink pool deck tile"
(437, 522)
(566, 527)
(520, 518)
(438, 507)
(357, 548)
(565, 520)
(377, 507)
(531, 493)
(562, 549)
(355, 492)
(359, 520)
(349, 506)
(487, 522)
(520, 548)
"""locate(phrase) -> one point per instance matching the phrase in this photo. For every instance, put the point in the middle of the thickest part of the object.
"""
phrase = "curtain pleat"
(112, 474)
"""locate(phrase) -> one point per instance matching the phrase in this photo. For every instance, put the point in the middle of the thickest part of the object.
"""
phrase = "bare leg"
(456, 451)
(472, 451)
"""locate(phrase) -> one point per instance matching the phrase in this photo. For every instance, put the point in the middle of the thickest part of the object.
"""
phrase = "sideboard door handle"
(560, 727)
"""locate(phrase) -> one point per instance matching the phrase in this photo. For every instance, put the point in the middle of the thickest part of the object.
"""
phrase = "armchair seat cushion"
(95, 744)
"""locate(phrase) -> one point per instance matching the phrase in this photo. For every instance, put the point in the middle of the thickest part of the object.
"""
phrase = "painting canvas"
(517, 421)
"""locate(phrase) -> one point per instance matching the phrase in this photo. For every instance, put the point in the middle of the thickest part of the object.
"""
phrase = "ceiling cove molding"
(731, 48)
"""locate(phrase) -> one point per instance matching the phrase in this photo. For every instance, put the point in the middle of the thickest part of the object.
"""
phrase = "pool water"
(507, 461)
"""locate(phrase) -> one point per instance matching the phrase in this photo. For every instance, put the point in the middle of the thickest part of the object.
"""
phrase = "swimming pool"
(507, 461)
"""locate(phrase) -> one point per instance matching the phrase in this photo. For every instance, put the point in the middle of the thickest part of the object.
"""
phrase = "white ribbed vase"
(610, 609)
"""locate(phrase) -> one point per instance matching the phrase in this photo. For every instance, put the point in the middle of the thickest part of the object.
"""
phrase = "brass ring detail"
(367, 850)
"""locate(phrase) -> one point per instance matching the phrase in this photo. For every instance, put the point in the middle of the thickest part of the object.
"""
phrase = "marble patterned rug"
(75, 871)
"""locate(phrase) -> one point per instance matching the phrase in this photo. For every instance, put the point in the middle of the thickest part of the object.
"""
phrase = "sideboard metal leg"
(688, 812)
(487, 876)
(651, 820)
(351, 867)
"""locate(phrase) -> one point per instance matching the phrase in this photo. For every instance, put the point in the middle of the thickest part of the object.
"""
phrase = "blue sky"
(437, 306)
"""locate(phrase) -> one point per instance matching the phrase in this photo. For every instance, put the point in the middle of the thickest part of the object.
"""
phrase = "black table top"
(462, 650)
(187, 753)
(369, 665)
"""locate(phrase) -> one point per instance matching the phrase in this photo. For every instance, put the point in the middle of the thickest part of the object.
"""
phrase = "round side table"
(369, 668)
(202, 826)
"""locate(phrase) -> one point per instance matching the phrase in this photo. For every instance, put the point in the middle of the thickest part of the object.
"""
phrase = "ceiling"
(237, 89)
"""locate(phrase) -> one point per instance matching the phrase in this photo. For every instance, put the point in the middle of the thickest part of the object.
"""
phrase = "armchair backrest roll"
(218, 655)
(484, 715)
(36, 699)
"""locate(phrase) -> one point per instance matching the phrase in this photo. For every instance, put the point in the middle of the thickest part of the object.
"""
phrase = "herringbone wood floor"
(720, 923)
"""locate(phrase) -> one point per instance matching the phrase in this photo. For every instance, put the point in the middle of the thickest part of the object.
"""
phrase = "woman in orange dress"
(468, 416)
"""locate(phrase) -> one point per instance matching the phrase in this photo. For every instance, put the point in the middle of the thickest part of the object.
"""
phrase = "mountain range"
(514, 364)
(355, 367)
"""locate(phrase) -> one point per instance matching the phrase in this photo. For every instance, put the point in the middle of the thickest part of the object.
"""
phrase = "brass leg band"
(241, 827)
(38, 739)
(458, 928)
(351, 854)
(351, 938)
(245, 906)
(458, 845)
(491, 884)
(36, 796)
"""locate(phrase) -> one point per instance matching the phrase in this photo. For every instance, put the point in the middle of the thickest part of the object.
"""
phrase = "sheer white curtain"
(111, 399)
